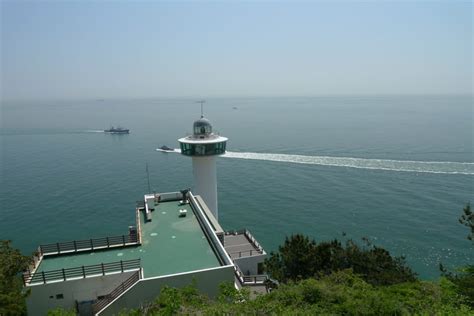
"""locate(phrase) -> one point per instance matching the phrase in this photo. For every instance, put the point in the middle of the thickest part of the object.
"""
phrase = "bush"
(300, 258)
(339, 293)
(12, 295)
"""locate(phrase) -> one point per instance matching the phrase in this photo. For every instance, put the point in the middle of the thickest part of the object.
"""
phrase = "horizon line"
(192, 97)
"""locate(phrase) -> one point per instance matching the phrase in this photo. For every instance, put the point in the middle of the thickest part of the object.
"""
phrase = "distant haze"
(102, 49)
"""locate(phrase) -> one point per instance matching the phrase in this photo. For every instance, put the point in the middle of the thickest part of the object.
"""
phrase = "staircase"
(98, 306)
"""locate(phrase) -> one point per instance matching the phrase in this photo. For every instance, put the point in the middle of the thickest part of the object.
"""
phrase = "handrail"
(107, 299)
(249, 279)
(88, 244)
(254, 279)
(251, 239)
(250, 252)
(83, 271)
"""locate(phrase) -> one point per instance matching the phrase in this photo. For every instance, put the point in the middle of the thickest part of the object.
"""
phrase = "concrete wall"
(146, 290)
(249, 265)
(39, 301)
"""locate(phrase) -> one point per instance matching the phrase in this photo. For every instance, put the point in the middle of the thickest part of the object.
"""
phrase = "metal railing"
(249, 279)
(88, 244)
(255, 279)
(258, 248)
(253, 240)
(80, 272)
(107, 299)
(243, 253)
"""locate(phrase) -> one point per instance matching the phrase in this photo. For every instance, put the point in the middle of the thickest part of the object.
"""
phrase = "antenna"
(148, 177)
(202, 110)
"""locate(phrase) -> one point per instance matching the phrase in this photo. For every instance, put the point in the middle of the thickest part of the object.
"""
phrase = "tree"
(464, 278)
(294, 259)
(301, 258)
(467, 219)
(12, 295)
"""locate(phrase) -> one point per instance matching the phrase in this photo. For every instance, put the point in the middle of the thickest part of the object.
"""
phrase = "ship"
(165, 149)
(117, 130)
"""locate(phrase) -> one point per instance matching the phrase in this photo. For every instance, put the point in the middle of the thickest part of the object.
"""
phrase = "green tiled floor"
(170, 244)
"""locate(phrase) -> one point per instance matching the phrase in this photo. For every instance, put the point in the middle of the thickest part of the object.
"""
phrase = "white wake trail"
(441, 167)
(363, 163)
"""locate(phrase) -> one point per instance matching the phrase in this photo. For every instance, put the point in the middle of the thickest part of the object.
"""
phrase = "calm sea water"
(397, 170)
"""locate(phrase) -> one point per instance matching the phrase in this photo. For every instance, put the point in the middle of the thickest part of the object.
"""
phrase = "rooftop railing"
(249, 279)
(258, 248)
(80, 272)
(88, 244)
(245, 253)
(253, 240)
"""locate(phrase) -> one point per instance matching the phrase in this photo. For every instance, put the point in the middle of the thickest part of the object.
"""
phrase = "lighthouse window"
(221, 147)
(187, 149)
(202, 128)
(203, 149)
(200, 150)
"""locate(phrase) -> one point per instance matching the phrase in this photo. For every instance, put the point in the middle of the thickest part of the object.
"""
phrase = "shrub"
(300, 258)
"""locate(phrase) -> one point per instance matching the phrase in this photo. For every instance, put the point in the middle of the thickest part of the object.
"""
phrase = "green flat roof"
(170, 244)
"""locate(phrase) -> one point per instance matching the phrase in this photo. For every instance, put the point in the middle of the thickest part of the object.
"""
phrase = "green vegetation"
(12, 296)
(61, 312)
(301, 258)
(467, 219)
(464, 278)
(340, 293)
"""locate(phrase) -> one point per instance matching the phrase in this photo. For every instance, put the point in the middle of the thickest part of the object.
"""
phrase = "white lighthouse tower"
(203, 146)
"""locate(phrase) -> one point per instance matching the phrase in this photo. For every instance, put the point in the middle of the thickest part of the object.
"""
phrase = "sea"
(396, 170)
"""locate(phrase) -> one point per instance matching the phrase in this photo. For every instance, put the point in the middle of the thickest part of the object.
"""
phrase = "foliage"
(300, 258)
(229, 294)
(61, 312)
(467, 219)
(12, 296)
(339, 293)
(463, 281)
(464, 278)
(172, 301)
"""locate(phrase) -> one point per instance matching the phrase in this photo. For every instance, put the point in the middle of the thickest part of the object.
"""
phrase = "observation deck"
(167, 244)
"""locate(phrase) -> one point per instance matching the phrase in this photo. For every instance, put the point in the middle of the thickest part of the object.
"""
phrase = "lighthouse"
(204, 146)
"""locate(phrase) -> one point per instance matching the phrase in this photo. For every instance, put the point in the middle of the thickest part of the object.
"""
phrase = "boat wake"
(441, 167)
(93, 131)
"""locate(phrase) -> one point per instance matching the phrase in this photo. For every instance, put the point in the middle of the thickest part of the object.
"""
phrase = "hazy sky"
(98, 49)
